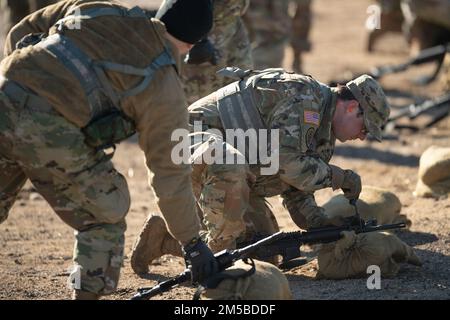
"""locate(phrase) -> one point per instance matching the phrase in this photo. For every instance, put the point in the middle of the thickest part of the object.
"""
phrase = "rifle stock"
(286, 244)
(412, 111)
(432, 54)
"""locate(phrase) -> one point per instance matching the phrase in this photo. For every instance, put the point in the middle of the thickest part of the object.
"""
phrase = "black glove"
(200, 259)
(202, 51)
(347, 180)
(339, 221)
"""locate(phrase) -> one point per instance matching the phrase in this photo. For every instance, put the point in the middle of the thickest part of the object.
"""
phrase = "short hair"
(344, 93)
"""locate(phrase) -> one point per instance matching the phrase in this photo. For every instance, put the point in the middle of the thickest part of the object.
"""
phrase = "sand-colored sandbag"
(434, 173)
(267, 283)
(373, 203)
(350, 256)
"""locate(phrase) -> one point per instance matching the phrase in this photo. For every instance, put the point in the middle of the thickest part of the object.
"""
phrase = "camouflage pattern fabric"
(269, 26)
(157, 111)
(301, 26)
(79, 183)
(230, 210)
(302, 109)
(373, 101)
(230, 38)
(306, 146)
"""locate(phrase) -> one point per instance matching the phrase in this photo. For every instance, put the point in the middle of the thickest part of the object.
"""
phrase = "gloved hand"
(339, 221)
(200, 259)
(347, 180)
(202, 51)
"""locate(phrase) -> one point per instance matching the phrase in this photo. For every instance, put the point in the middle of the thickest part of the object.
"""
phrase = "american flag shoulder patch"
(311, 117)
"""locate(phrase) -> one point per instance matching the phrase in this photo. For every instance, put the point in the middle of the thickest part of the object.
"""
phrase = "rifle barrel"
(145, 294)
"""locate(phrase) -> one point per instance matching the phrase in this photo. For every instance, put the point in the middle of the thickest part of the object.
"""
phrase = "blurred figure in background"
(13, 11)
(271, 27)
(391, 20)
(227, 44)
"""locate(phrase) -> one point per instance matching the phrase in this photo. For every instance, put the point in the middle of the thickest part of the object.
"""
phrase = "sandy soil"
(36, 247)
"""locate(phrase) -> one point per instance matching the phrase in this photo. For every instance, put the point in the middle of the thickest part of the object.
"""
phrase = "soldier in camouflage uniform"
(14, 10)
(391, 20)
(301, 25)
(270, 27)
(231, 44)
(427, 23)
(310, 116)
(67, 97)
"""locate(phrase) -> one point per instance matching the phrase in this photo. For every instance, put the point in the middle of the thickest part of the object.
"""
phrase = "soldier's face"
(349, 122)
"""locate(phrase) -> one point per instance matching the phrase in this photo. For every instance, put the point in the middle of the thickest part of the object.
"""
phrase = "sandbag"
(434, 173)
(267, 283)
(350, 256)
(373, 203)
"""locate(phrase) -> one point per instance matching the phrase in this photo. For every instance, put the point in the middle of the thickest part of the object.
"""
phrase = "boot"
(84, 295)
(153, 242)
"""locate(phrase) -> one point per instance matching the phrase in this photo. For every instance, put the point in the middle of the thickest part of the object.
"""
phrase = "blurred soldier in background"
(270, 27)
(391, 20)
(427, 23)
(13, 11)
(301, 24)
(269, 24)
(226, 45)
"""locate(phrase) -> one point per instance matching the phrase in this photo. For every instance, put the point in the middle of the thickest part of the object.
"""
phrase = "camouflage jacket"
(302, 109)
(157, 111)
(227, 20)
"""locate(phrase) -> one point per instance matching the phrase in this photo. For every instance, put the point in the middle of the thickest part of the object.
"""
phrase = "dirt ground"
(36, 247)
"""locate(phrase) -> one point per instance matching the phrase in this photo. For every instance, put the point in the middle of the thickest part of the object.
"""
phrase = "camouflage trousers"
(232, 211)
(201, 80)
(79, 183)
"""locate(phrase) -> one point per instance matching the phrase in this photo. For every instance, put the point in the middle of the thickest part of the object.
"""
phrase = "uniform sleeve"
(303, 208)
(300, 166)
(156, 119)
(37, 22)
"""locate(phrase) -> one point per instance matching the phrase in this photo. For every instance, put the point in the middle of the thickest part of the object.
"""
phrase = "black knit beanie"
(187, 20)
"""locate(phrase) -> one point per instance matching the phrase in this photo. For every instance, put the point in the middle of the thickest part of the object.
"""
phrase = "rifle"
(440, 107)
(432, 54)
(286, 244)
